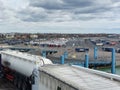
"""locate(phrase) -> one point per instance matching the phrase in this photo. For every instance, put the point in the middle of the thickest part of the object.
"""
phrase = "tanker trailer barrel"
(22, 62)
(20, 68)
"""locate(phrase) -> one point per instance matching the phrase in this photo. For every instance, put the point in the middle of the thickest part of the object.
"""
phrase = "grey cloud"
(2, 13)
(61, 4)
(42, 16)
(93, 10)
(78, 3)
(32, 15)
(48, 4)
(68, 5)
(1, 6)
(34, 18)
(57, 10)
(115, 0)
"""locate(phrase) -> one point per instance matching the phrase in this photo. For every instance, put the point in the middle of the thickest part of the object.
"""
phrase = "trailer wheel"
(15, 82)
(24, 86)
(19, 84)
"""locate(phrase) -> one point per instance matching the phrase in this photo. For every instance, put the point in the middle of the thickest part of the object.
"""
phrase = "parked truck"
(81, 49)
(19, 67)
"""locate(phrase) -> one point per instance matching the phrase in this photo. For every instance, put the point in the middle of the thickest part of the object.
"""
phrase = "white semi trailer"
(19, 67)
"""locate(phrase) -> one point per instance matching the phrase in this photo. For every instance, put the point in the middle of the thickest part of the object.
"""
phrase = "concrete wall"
(117, 62)
(52, 83)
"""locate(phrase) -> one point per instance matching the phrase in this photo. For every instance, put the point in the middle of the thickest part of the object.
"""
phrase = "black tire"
(19, 84)
(24, 86)
(15, 81)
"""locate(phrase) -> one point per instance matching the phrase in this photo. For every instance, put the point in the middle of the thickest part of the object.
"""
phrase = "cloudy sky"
(60, 16)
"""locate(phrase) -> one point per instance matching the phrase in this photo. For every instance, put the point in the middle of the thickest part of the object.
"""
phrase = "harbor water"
(108, 69)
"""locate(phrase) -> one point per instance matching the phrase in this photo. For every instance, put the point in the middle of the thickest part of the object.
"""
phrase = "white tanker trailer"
(18, 67)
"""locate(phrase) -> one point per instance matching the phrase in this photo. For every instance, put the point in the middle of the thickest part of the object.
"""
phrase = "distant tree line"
(53, 35)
